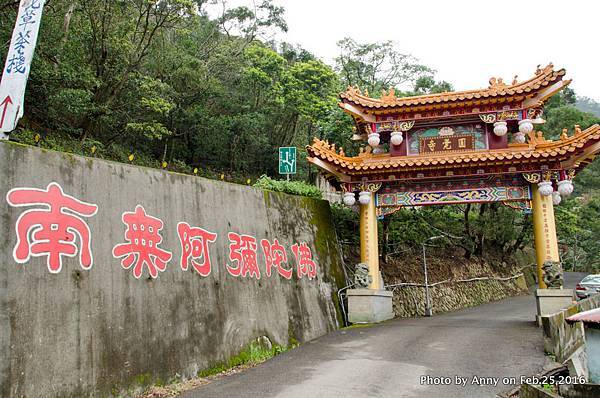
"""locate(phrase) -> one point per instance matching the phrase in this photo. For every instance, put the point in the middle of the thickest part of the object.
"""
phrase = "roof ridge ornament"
(365, 152)
(536, 138)
(353, 90)
(538, 70)
(388, 97)
(496, 83)
(547, 68)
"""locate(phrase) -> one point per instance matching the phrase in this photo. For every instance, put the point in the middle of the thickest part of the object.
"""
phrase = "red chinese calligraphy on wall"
(242, 255)
(56, 228)
(194, 246)
(52, 229)
(304, 261)
(143, 237)
(275, 256)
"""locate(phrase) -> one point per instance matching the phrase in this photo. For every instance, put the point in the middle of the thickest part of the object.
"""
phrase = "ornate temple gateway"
(471, 146)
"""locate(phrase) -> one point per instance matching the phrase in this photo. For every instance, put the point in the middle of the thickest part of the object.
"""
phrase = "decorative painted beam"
(478, 195)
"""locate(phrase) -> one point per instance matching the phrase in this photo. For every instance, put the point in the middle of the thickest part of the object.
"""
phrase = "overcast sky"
(466, 41)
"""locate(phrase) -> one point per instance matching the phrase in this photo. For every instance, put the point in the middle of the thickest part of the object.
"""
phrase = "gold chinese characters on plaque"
(453, 143)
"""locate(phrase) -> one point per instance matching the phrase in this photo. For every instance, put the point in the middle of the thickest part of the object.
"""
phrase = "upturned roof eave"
(495, 93)
(570, 151)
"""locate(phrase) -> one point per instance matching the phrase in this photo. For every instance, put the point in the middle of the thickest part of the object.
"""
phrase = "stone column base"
(369, 305)
(551, 301)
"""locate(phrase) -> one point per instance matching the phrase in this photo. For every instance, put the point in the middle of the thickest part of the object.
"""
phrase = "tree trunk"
(481, 233)
(467, 224)
(65, 35)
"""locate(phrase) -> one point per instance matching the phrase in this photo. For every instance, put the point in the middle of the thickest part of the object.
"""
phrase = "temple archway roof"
(497, 91)
(571, 151)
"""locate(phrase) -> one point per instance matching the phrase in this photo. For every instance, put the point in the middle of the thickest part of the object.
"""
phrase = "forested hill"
(585, 104)
(201, 86)
(186, 83)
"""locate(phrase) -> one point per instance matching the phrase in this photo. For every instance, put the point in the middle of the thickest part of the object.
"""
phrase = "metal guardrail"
(341, 295)
(486, 278)
(427, 286)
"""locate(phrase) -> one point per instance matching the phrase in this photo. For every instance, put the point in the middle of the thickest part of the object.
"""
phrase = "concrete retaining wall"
(78, 332)
(562, 339)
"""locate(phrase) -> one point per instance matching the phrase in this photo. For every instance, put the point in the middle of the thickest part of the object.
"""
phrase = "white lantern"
(349, 199)
(396, 138)
(374, 139)
(565, 187)
(545, 188)
(556, 198)
(525, 126)
(519, 138)
(500, 129)
(364, 197)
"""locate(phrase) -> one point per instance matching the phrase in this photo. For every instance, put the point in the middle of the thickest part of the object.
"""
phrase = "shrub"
(292, 187)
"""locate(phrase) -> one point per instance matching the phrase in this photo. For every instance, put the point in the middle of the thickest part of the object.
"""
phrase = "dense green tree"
(201, 84)
(428, 85)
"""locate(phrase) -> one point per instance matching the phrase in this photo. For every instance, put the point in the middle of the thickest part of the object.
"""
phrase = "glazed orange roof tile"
(497, 90)
(578, 148)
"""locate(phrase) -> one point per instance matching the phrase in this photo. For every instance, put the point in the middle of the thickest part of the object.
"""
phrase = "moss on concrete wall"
(104, 332)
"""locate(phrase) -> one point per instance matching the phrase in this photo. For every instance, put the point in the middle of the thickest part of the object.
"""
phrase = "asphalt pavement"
(475, 352)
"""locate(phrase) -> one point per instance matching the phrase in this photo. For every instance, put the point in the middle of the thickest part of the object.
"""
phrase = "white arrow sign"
(18, 63)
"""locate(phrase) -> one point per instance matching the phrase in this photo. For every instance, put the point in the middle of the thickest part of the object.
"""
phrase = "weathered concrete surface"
(562, 339)
(551, 301)
(369, 306)
(92, 333)
(388, 360)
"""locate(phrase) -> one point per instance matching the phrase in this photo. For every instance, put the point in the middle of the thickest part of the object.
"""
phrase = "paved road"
(572, 278)
(388, 360)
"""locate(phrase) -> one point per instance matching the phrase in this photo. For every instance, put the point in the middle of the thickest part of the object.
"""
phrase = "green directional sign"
(287, 160)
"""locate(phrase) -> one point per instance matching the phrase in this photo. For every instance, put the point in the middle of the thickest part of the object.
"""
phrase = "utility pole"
(574, 256)
(428, 311)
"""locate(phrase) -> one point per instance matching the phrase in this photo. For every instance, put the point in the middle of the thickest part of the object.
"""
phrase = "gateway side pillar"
(544, 231)
(548, 300)
(375, 303)
(369, 244)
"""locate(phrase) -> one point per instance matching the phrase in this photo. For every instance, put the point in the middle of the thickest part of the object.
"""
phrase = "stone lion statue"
(361, 275)
(553, 274)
